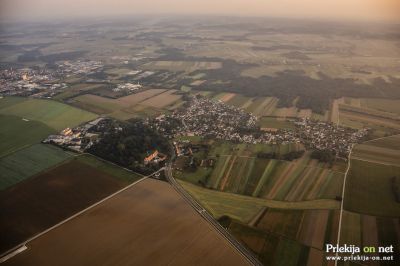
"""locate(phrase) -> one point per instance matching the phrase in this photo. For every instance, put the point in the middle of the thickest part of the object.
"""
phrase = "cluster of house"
(155, 157)
(327, 136)
(40, 83)
(214, 119)
(78, 67)
(80, 138)
(127, 87)
(208, 118)
(185, 148)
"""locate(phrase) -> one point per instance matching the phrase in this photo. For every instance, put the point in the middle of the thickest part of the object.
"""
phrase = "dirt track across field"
(48, 198)
(148, 224)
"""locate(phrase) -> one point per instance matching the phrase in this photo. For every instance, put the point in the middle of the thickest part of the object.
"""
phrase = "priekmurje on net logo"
(356, 253)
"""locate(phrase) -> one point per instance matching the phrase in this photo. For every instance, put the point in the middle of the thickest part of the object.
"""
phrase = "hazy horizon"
(354, 10)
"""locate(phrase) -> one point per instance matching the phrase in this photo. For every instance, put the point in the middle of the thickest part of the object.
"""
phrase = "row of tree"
(290, 156)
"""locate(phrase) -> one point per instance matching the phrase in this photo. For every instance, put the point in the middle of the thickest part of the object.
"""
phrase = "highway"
(208, 217)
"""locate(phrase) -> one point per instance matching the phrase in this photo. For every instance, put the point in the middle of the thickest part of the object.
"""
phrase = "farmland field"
(368, 230)
(27, 210)
(162, 100)
(238, 170)
(150, 102)
(392, 142)
(289, 237)
(299, 180)
(369, 189)
(187, 66)
(20, 133)
(77, 89)
(27, 162)
(264, 106)
(382, 115)
(276, 123)
(245, 208)
(240, 101)
(51, 113)
(284, 211)
(372, 210)
(377, 154)
(150, 206)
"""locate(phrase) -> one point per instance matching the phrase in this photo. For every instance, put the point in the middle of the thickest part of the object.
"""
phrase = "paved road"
(342, 203)
(236, 244)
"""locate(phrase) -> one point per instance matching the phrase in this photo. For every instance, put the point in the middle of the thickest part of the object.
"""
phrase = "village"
(214, 119)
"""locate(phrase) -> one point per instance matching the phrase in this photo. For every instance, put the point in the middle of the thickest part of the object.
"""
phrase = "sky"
(370, 10)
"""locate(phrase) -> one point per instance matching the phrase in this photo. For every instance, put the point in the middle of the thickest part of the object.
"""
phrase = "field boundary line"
(280, 160)
(371, 140)
(375, 162)
(4, 256)
(17, 150)
(342, 203)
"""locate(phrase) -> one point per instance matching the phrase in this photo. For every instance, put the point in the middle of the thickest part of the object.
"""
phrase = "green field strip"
(285, 188)
(332, 186)
(219, 171)
(219, 96)
(275, 176)
(288, 224)
(255, 175)
(220, 148)
(351, 229)
(25, 163)
(386, 105)
(109, 168)
(239, 175)
(104, 108)
(288, 253)
(329, 228)
(54, 114)
(256, 103)
(231, 174)
(369, 189)
(19, 134)
(392, 142)
(10, 101)
(271, 165)
(260, 109)
(307, 191)
(238, 100)
(245, 180)
(302, 183)
(387, 233)
(270, 107)
(244, 208)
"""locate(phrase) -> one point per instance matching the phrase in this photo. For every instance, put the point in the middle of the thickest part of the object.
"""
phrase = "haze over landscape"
(381, 10)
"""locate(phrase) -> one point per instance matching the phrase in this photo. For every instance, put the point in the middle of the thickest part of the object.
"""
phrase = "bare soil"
(48, 198)
(148, 224)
